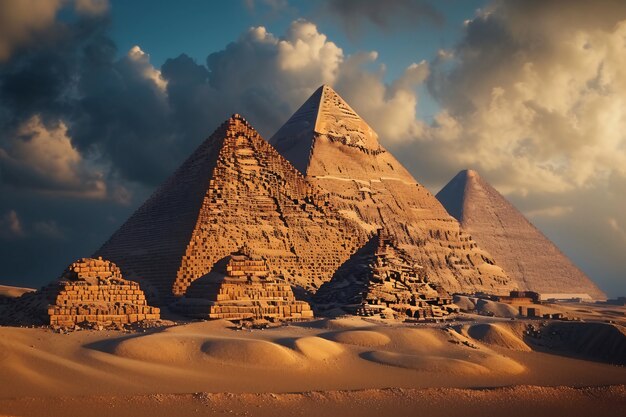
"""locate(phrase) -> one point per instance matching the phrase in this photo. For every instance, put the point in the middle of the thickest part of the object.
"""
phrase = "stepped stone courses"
(245, 289)
(336, 150)
(530, 258)
(248, 194)
(89, 291)
(93, 290)
(384, 276)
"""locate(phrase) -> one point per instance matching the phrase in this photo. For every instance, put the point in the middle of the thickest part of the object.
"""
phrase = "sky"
(101, 100)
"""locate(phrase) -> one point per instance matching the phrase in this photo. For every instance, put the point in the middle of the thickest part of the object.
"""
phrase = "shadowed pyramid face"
(234, 190)
(339, 152)
(524, 252)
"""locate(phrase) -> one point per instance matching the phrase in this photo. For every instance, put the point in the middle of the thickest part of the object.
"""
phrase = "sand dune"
(258, 353)
(485, 307)
(317, 348)
(323, 355)
(428, 363)
(598, 341)
(367, 338)
(497, 335)
(8, 291)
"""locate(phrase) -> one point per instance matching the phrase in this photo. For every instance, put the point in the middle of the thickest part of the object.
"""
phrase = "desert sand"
(339, 366)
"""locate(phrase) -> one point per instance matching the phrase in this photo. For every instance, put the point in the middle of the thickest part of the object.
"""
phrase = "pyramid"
(242, 287)
(529, 257)
(382, 276)
(89, 291)
(339, 152)
(235, 189)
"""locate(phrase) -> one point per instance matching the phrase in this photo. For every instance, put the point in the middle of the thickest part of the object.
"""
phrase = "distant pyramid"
(336, 150)
(524, 252)
(235, 189)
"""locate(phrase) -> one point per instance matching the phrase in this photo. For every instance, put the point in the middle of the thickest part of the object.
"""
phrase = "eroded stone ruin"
(90, 291)
(244, 289)
(383, 276)
(94, 291)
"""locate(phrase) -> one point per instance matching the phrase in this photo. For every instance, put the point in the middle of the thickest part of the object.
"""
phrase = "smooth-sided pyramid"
(336, 150)
(523, 251)
(235, 189)
(381, 276)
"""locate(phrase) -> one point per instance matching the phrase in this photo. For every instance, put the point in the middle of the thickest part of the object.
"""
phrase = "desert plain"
(469, 365)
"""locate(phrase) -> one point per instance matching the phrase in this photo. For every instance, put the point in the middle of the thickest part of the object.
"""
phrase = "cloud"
(42, 158)
(92, 7)
(537, 94)
(552, 211)
(48, 229)
(355, 15)
(534, 98)
(21, 20)
(389, 109)
(25, 21)
(10, 225)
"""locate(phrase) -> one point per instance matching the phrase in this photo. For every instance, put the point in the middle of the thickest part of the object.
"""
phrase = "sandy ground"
(12, 292)
(334, 365)
(519, 401)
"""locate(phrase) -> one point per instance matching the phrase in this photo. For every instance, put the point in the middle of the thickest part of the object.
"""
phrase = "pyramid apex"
(236, 122)
(468, 173)
(237, 116)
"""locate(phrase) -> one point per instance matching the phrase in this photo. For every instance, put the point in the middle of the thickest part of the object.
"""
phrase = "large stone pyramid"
(523, 251)
(235, 189)
(336, 150)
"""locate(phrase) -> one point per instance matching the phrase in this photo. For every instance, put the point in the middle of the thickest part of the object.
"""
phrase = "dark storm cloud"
(388, 15)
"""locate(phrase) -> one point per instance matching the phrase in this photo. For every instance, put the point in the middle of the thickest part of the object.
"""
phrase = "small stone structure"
(93, 290)
(246, 289)
(531, 312)
(520, 297)
(385, 277)
(89, 291)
